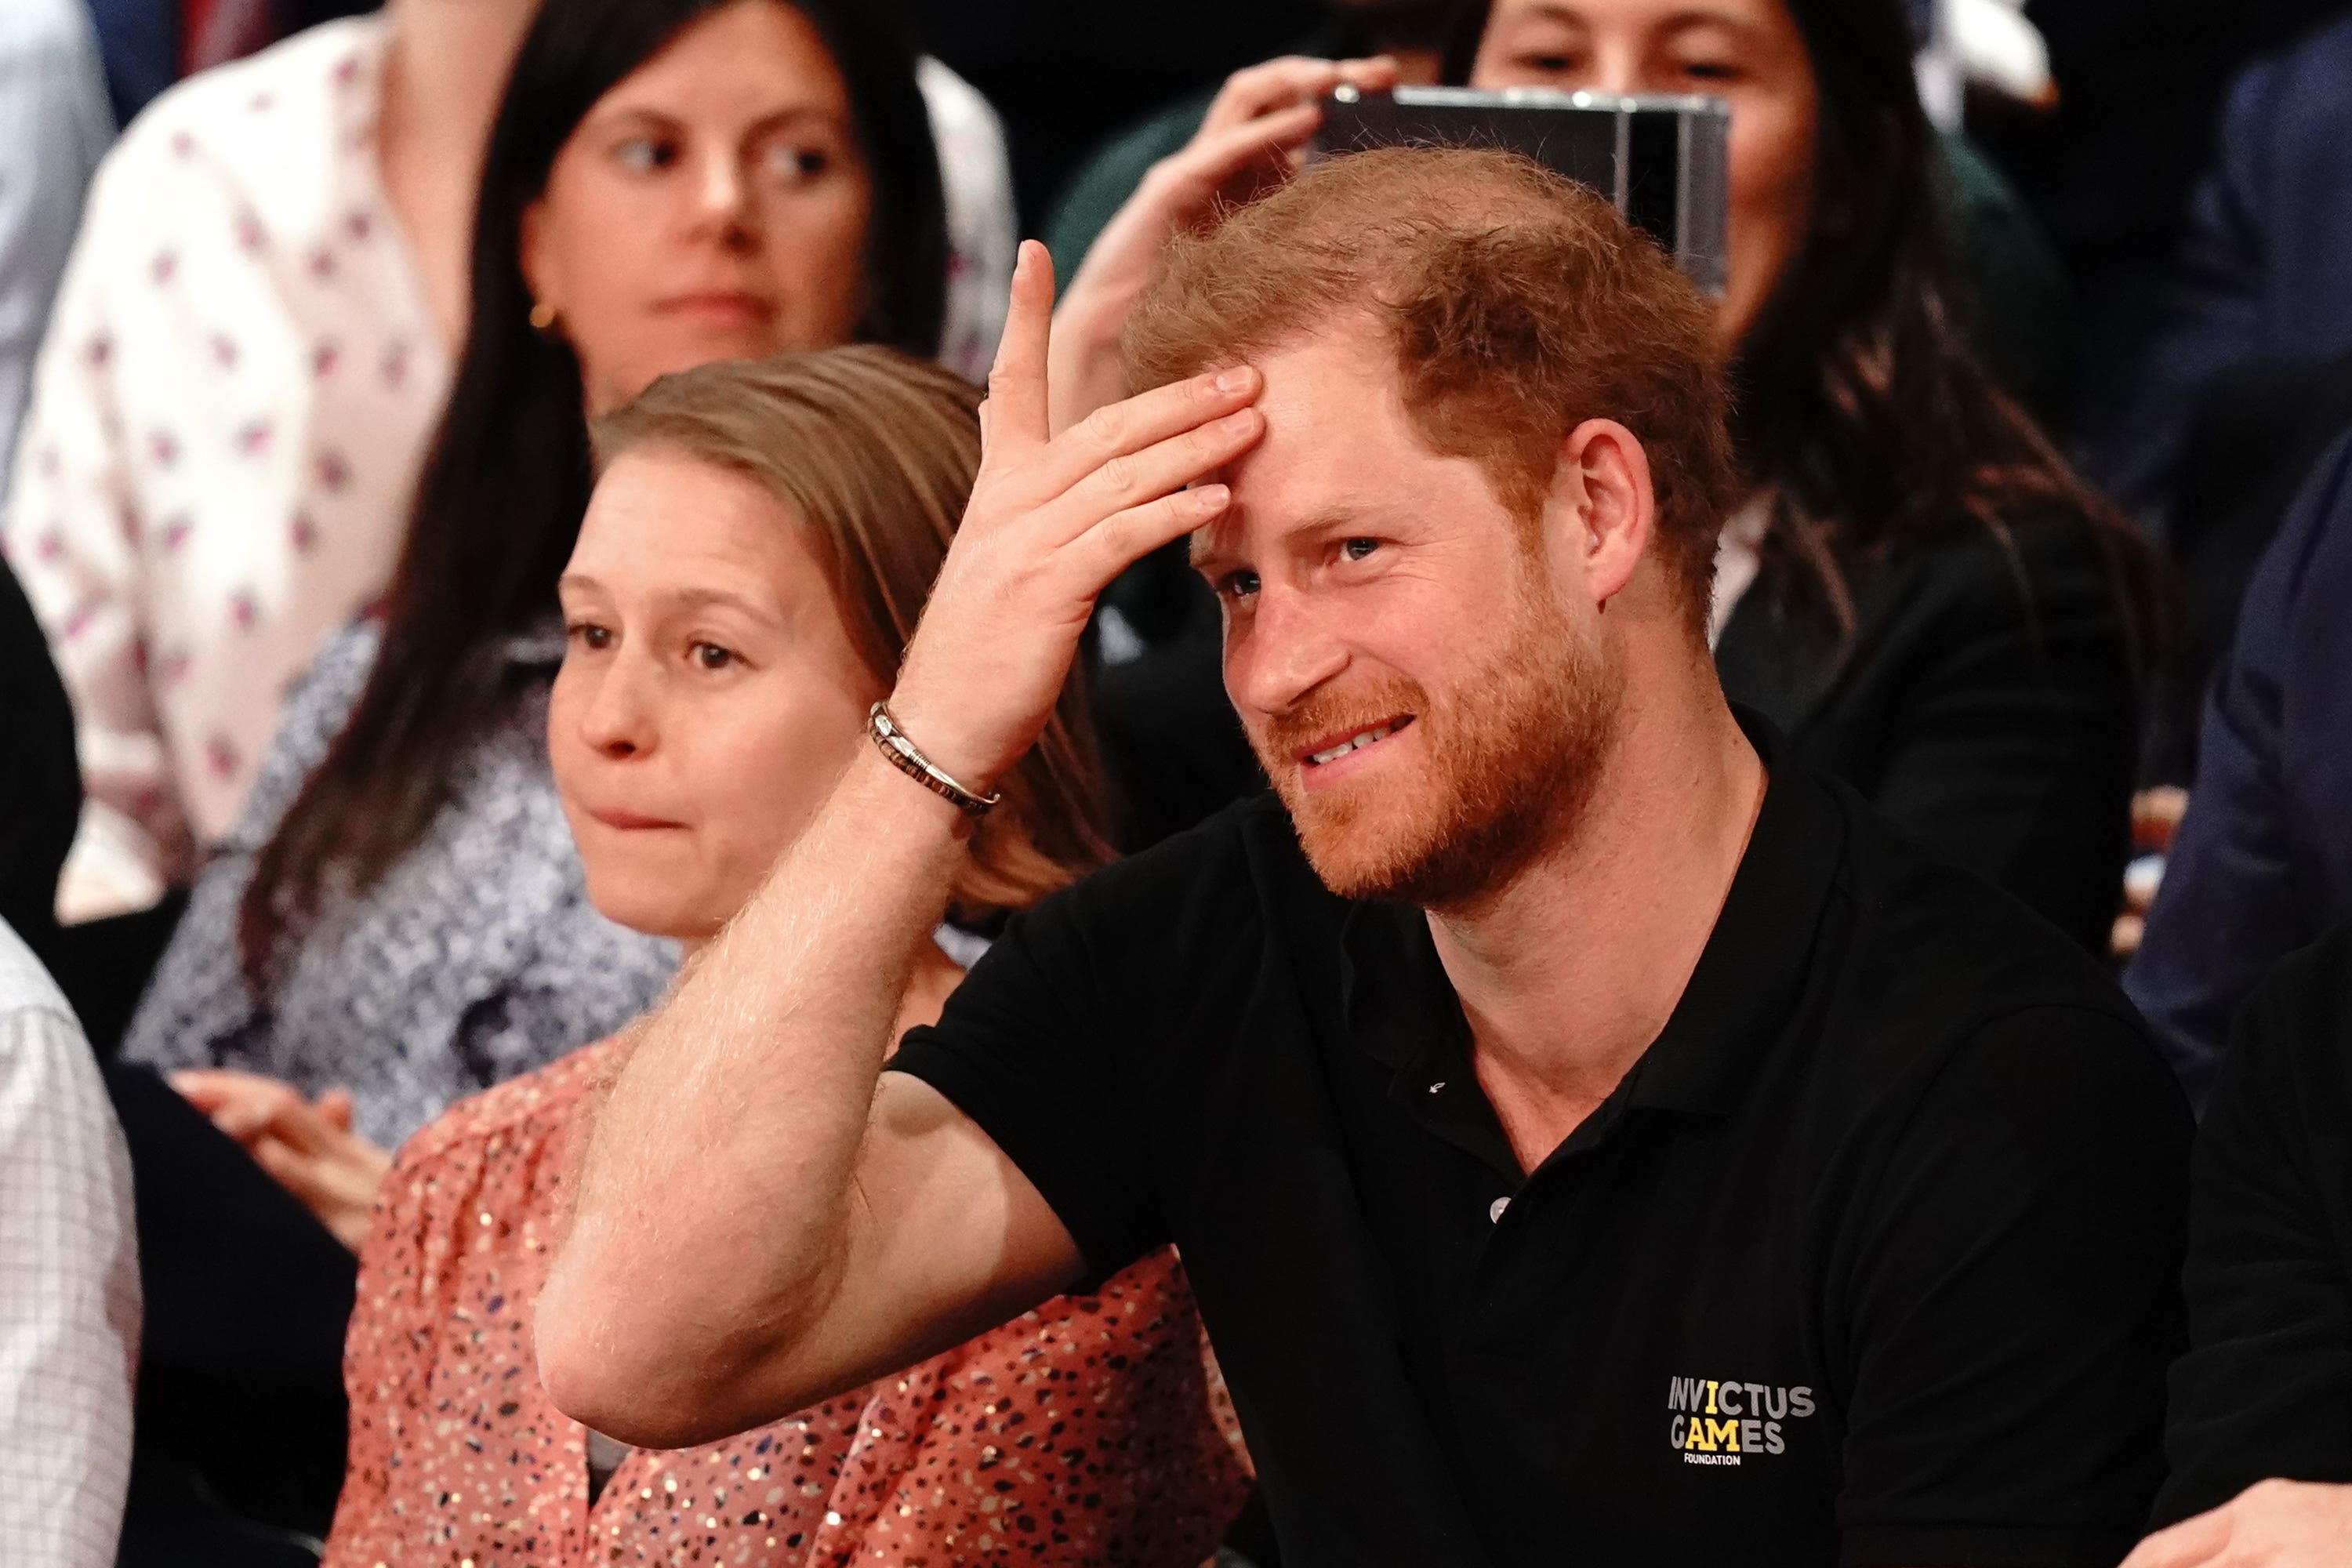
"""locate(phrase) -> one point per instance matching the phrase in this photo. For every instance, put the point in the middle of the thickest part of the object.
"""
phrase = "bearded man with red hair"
(1587, 1134)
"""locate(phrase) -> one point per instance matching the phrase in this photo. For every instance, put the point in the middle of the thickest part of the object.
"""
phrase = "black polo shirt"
(1872, 1258)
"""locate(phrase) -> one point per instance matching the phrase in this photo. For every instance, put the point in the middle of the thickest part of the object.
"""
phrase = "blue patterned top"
(476, 958)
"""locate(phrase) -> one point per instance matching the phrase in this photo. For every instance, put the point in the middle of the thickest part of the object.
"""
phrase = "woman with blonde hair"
(752, 564)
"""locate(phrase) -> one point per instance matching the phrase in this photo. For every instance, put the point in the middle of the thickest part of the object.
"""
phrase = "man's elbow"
(629, 1380)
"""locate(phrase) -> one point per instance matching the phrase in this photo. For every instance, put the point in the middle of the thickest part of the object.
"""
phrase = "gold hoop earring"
(543, 316)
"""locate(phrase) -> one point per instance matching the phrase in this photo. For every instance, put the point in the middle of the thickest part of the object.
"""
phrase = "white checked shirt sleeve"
(68, 1284)
(54, 126)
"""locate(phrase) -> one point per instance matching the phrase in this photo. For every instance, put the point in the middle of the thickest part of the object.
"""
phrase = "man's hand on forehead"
(1052, 519)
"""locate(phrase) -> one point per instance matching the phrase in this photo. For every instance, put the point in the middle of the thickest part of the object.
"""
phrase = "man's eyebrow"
(1207, 548)
(1207, 553)
(1203, 555)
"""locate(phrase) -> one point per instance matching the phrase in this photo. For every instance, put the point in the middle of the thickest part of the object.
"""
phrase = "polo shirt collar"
(1401, 1009)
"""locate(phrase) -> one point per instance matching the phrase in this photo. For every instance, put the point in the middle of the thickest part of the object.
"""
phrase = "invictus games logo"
(1719, 1423)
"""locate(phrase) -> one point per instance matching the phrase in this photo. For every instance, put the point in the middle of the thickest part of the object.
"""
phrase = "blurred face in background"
(710, 697)
(713, 205)
(1746, 52)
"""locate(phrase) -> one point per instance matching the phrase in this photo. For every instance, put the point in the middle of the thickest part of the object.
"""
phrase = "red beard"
(1512, 751)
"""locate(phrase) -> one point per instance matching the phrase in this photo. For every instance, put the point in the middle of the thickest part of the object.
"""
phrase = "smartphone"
(1662, 159)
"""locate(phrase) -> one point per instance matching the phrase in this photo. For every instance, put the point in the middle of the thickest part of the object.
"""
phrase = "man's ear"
(1602, 508)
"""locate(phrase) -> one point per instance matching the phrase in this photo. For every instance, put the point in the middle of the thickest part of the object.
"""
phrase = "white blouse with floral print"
(227, 416)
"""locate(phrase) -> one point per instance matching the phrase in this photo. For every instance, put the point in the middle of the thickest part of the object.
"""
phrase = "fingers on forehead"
(1152, 416)
(1168, 464)
(1128, 536)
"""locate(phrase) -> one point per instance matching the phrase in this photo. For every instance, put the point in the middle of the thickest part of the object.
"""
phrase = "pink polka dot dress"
(1080, 1433)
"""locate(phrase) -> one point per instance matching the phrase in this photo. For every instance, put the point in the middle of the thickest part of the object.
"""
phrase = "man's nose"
(1286, 653)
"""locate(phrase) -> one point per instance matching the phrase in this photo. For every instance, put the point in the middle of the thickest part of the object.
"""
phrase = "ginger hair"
(1520, 304)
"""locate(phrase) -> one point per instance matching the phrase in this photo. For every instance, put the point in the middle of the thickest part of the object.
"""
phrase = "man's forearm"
(714, 1198)
(720, 1221)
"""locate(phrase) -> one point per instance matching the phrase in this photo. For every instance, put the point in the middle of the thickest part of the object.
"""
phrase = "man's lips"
(630, 821)
(1349, 741)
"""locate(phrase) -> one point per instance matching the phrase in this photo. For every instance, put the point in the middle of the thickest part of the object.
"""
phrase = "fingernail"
(1234, 378)
(1210, 497)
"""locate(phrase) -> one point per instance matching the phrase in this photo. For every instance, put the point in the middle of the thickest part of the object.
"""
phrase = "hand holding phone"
(1254, 137)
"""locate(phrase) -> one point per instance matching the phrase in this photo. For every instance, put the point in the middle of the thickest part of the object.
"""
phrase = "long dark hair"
(1860, 402)
(500, 496)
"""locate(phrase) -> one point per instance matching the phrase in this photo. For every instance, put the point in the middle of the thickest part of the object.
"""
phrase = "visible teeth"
(1352, 743)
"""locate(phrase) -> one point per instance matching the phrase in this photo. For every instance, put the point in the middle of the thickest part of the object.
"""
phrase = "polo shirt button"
(1494, 1210)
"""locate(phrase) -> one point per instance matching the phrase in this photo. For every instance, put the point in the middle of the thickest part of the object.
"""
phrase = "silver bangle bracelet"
(910, 760)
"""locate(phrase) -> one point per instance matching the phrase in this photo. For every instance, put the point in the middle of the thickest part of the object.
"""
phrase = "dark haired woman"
(249, 352)
(398, 919)
(1918, 592)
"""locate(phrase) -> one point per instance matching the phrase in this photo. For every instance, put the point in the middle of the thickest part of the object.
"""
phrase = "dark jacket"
(2264, 271)
(1987, 703)
(2263, 862)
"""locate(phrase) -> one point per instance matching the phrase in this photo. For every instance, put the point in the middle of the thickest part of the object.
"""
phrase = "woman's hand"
(309, 1148)
(1254, 138)
(1053, 519)
(2270, 1524)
